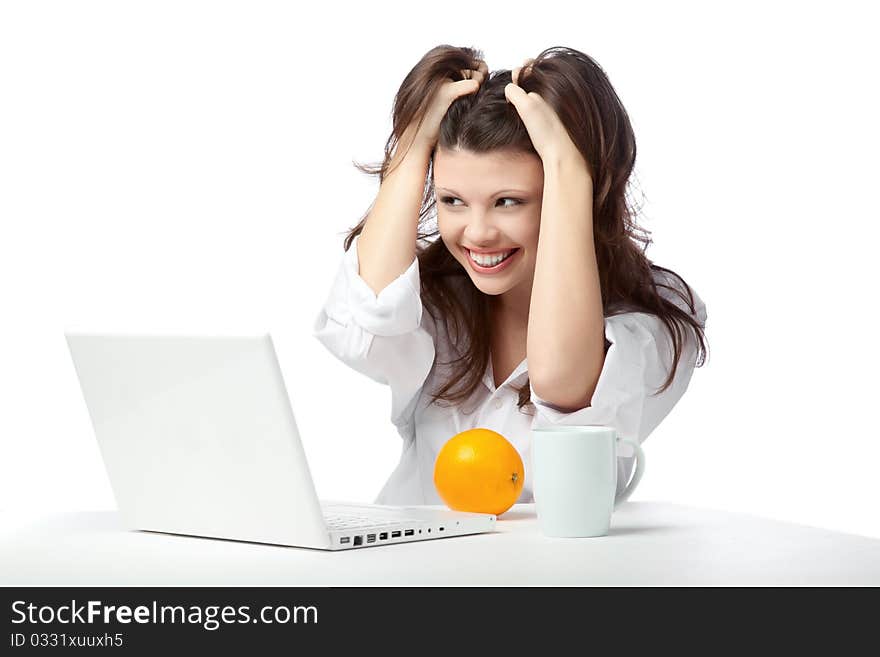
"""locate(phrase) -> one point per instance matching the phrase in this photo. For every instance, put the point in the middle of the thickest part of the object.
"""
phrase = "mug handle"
(639, 471)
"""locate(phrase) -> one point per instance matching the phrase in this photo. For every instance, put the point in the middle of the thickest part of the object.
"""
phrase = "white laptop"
(198, 438)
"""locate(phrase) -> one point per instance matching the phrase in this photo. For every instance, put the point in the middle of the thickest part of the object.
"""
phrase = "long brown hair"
(579, 91)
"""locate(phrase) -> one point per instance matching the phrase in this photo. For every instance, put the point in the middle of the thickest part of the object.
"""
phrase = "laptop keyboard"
(347, 521)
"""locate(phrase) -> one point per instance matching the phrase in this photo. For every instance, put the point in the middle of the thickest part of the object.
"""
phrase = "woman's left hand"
(547, 132)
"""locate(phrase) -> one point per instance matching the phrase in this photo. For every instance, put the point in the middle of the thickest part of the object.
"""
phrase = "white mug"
(575, 478)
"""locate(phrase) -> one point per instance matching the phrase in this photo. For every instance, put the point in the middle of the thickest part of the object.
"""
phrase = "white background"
(183, 165)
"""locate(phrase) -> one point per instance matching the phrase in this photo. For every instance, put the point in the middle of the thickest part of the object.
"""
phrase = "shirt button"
(498, 403)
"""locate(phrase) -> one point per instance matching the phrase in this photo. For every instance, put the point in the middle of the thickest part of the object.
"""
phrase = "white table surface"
(649, 544)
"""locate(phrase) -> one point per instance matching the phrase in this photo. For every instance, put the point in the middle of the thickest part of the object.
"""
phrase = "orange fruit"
(479, 470)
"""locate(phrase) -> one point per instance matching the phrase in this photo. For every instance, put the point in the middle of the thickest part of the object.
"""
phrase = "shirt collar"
(519, 372)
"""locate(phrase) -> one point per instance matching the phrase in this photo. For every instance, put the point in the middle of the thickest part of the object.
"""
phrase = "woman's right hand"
(427, 134)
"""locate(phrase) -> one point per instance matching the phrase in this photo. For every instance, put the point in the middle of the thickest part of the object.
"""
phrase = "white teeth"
(489, 261)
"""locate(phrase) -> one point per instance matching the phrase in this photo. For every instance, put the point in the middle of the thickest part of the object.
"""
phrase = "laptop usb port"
(371, 538)
(358, 540)
(383, 536)
(409, 532)
(395, 534)
(345, 539)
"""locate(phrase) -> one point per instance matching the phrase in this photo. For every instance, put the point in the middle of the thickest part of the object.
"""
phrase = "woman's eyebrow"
(503, 191)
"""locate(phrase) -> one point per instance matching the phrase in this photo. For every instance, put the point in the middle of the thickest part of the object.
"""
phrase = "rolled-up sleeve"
(637, 363)
(383, 336)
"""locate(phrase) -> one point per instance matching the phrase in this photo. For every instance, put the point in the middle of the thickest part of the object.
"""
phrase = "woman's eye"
(449, 199)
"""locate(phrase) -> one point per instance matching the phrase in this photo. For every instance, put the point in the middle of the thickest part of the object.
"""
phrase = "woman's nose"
(480, 229)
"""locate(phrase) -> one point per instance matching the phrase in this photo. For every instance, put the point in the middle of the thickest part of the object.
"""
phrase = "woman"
(535, 306)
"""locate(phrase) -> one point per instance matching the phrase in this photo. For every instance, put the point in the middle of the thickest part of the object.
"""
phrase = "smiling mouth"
(489, 261)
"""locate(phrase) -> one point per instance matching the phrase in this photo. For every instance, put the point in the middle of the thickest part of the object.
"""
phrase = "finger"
(472, 74)
(461, 87)
(535, 97)
(523, 71)
(514, 93)
(480, 72)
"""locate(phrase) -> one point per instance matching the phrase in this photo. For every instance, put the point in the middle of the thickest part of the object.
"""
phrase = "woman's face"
(488, 207)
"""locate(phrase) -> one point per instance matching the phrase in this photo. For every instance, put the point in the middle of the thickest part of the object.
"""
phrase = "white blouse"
(388, 338)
